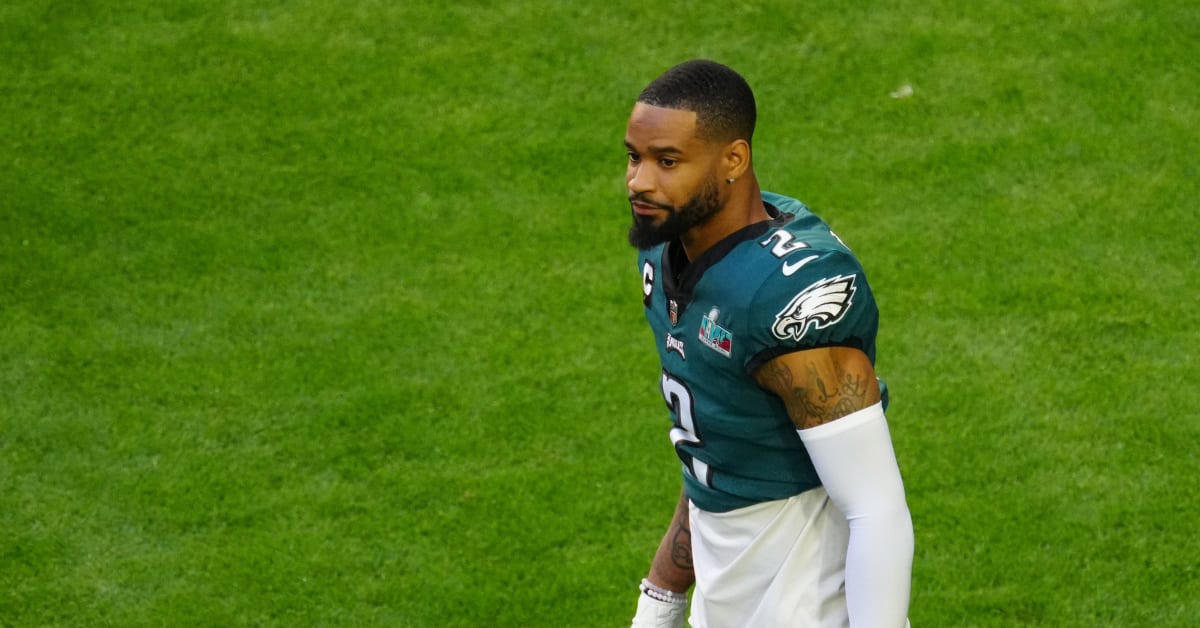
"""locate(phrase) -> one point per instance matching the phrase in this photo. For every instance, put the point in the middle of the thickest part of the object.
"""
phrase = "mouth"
(643, 208)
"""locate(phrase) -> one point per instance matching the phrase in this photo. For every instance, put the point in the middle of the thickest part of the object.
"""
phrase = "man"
(793, 511)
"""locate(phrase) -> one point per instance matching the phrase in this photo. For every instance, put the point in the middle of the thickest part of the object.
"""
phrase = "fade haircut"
(721, 98)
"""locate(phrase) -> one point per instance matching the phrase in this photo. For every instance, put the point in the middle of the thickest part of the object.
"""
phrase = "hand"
(653, 612)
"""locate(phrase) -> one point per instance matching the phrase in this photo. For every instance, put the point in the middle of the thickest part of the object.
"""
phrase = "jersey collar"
(680, 277)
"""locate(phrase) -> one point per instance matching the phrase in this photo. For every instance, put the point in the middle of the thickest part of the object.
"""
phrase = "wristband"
(655, 592)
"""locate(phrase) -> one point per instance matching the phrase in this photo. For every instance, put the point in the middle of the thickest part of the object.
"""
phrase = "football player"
(792, 511)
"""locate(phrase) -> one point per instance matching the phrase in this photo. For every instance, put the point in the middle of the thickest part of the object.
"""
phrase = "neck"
(743, 207)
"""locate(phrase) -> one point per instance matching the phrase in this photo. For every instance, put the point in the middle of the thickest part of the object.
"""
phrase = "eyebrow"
(657, 150)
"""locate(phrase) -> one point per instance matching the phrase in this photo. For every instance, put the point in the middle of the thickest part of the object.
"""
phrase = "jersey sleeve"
(826, 302)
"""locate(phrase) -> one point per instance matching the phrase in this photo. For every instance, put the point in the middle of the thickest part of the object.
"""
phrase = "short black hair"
(721, 98)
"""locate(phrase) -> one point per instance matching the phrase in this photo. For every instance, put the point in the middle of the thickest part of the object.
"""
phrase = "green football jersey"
(771, 288)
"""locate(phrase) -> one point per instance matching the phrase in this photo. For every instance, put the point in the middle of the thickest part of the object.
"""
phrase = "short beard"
(700, 209)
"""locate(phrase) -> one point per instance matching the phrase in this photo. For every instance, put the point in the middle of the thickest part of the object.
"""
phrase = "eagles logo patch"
(818, 306)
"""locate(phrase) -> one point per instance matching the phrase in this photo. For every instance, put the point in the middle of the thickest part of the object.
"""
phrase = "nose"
(638, 179)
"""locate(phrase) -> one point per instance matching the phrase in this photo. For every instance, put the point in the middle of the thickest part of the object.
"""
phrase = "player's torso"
(735, 439)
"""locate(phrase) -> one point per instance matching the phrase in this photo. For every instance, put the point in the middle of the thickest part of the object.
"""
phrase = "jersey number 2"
(679, 399)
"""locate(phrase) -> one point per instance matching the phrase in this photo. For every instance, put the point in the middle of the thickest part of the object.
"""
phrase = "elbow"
(891, 520)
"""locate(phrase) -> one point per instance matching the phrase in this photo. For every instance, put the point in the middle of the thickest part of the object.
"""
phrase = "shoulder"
(800, 221)
(812, 277)
(803, 247)
(785, 204)
(817, 292)
(794, 250)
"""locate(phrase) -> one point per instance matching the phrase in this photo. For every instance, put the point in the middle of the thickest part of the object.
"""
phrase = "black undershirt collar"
(681, 276)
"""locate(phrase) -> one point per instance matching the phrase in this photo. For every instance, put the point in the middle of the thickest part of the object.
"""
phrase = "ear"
(736, 158)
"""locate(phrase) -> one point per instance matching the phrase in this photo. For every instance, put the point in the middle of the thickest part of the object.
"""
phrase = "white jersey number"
(679, 399)
(784, 244)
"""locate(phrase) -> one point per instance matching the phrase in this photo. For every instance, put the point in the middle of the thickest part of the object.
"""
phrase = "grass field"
(321, 314)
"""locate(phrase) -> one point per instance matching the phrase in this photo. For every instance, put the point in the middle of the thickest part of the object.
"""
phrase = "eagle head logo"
(818, 306)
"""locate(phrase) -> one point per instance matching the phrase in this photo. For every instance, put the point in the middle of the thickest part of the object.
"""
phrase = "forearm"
(856, 462)
(663, 602)
(672, 565)
(879, 569)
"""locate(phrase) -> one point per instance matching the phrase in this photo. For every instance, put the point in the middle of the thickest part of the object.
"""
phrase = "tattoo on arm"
(672, 566)
(811, 408)
(816, 377)
(681, 546)
(681, 538)
(776, 377)
(822, 399)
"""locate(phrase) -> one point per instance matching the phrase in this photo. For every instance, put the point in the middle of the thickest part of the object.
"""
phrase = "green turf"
(320, 314)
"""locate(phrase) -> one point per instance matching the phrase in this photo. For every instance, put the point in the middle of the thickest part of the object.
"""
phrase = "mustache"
(640, 197)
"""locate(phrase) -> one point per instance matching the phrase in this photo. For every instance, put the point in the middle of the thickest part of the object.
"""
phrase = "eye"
(667, 162)
(634, 157)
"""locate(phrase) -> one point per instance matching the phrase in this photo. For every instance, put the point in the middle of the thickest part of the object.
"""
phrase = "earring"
(730, 180)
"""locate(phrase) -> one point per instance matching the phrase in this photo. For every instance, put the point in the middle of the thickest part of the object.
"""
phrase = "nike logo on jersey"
(818, 306)
(790, 269)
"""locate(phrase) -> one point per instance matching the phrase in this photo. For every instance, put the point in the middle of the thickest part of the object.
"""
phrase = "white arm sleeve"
(854, 457)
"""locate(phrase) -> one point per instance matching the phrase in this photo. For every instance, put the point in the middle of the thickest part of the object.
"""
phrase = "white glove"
(659, 608)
